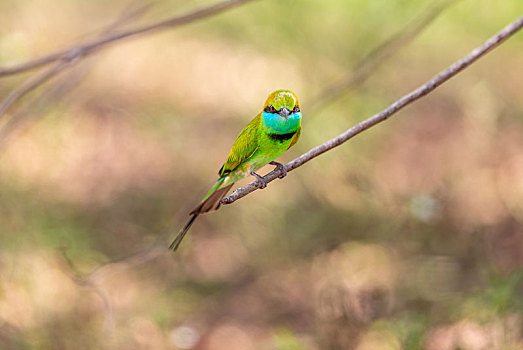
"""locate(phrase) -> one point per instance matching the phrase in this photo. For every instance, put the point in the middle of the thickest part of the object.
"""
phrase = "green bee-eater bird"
(272, 132)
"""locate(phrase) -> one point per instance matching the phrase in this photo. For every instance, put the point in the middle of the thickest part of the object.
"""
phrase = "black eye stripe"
(271, 109)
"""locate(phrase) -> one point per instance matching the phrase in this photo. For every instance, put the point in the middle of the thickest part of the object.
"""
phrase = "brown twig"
(364, 68)
(93, 279)
(34, 108)
(71, 53)
(63, 64)
(32, 83)
(87, 48)
(89, 282)
(140, 257)
(69, 57)
(421, 91)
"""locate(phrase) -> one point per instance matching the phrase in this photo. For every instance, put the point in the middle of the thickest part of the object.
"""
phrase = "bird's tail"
(210, 202)
(174, 245)
(212, 199)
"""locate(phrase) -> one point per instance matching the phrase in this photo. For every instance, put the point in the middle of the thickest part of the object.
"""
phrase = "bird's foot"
(262, 181)
(281, 168)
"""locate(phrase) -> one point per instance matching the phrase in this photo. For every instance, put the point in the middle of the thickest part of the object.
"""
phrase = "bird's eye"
(295, 109)
(270, 109)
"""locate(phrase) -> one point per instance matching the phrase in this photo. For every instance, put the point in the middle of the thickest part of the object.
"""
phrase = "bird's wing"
(243, 148)
(296, 138)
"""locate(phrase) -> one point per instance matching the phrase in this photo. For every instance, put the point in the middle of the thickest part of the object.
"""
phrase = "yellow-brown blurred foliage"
(407, 237)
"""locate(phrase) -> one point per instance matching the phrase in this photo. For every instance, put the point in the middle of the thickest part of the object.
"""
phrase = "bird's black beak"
(284, 112)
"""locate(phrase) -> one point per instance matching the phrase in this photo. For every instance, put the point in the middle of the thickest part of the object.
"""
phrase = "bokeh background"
(407, 237)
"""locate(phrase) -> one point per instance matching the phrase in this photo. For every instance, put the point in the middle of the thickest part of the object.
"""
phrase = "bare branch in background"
(33, 109)
(37, 80)
(32, 83)
(368, 65)
(88, 282)
(137, 258)
(87, 48)
(94, 279)
(68, 57)
(421, 91)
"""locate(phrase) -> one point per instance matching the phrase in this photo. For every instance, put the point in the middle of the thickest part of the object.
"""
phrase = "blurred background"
(407, 237)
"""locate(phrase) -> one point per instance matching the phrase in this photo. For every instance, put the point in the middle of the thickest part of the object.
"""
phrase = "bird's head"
(283, 103)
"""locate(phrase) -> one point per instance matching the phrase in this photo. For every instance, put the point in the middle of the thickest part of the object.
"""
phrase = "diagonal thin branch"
(88, 282)
(32, 83)
(365, 67)
(140, 257)
(54, 93)
(61, 65)
(421, 91)
(97, 44)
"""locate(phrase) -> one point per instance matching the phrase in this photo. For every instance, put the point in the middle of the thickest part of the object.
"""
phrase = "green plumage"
(243, 148)
(265, 138)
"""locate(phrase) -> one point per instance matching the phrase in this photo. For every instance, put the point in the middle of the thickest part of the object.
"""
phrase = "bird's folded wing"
(243, 148)
(296, 138)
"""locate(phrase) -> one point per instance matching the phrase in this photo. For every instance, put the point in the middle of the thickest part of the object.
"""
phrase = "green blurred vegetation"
(407, 237)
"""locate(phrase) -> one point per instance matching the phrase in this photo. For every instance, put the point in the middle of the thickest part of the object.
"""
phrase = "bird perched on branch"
(272, 132)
